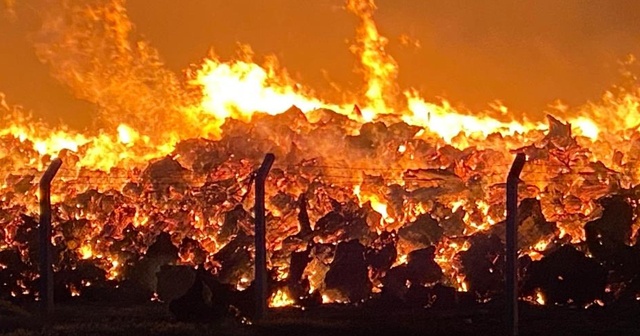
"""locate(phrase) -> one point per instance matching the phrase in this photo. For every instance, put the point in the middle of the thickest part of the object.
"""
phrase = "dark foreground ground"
(154, 319)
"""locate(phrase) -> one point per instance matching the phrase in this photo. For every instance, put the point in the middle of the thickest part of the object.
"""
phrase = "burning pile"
(403, 204)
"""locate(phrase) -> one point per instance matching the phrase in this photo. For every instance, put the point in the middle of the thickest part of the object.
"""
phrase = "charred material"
(567, 277)
(483, 265)
(422, 232)
(348, 272)
(200, 303)
(532, 225)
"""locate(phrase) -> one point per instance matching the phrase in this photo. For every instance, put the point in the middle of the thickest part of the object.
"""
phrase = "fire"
(433, 117)
(376, 203)
(74, 291)
(539, 299)
(113, 271)
(205, 131)
(333, 296)
(379, 68)
(127, 135)
(540, 246)
(586, 127)
(240, 88)
(445, 257)
(86, 252)
(280, 299)
(243, 284)
(401, 260)
(463, 285)
(56, 143)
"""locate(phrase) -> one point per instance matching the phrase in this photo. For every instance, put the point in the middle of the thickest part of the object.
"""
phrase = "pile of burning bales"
(376, 216)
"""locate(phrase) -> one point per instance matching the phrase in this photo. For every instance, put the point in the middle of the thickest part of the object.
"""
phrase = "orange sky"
(526, 53)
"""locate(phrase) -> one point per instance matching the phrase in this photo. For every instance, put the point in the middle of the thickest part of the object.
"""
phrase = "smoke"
(90, 48)
(527, 53)
(8, 8)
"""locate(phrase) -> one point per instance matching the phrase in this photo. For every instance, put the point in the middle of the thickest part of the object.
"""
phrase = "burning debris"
(388, 198)
(401, 236)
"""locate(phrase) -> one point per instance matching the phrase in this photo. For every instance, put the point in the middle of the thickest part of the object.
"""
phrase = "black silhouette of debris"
(567, 277)
(483, 265)
(348, 271)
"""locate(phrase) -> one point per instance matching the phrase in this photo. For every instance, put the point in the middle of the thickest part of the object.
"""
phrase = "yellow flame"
(74, 291)
(447, 123)
(280, 299)
(380, 69)
(127, 135)
(86, 252)
(540, 297)
(240, 88)
(377, 204)
(113, 271)
(585, 127)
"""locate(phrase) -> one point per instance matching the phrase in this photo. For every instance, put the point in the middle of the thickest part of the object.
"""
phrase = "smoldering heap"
(359, 214)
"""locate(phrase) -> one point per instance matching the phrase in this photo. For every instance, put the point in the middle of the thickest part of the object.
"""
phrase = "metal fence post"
(46, 260)
(260, 237)
(511, 278)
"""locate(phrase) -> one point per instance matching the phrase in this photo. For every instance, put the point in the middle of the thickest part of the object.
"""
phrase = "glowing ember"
(74, 291)
(112, 271)
(86, 252)
(178, 155)
(280, 299)
(539, 298)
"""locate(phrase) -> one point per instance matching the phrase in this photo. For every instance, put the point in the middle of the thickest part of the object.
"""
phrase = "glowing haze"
(123, 75)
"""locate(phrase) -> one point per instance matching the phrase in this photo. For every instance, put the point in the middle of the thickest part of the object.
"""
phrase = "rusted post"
(46, 260)
(261, 295)
(511, 278)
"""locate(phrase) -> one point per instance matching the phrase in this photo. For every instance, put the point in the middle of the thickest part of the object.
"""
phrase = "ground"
(155, 319)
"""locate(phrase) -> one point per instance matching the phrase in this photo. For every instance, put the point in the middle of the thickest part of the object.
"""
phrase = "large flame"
(380, 69)
(238, 89)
